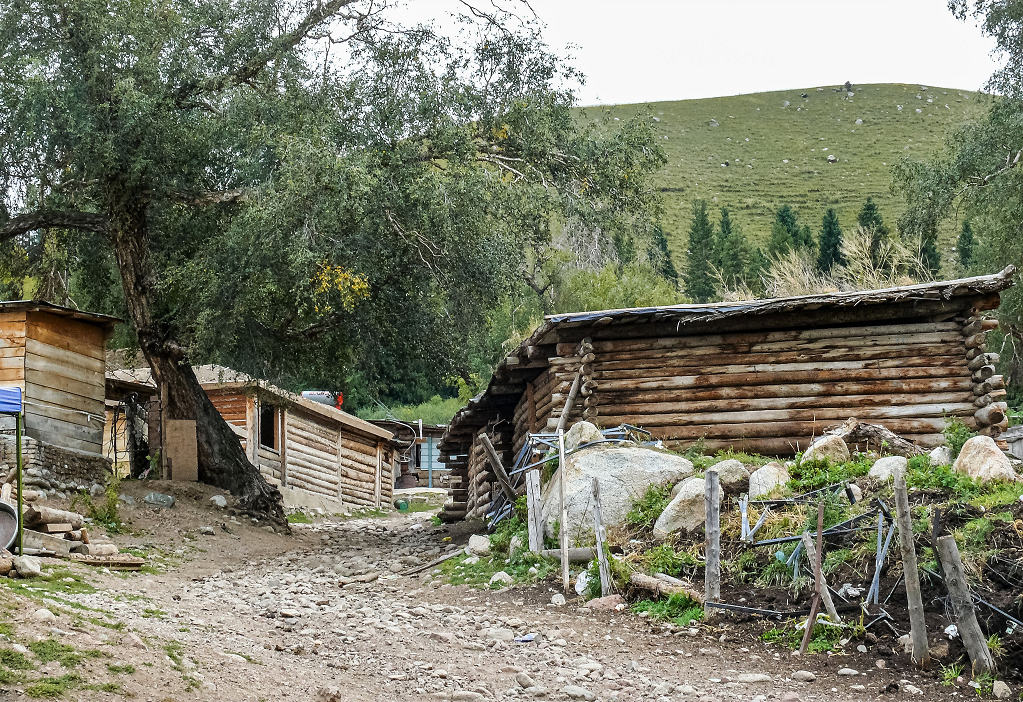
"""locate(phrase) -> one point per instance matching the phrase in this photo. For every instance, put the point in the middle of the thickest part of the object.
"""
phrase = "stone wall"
(58, 471)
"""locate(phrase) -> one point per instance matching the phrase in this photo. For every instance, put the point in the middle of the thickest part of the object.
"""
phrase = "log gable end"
(762, 376)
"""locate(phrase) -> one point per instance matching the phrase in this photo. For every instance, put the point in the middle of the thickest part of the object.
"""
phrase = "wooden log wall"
(772, 391)
(360, 468)
(991, 415)
(311, 453)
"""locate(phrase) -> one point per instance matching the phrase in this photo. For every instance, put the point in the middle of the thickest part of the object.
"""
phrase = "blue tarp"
(10, 400)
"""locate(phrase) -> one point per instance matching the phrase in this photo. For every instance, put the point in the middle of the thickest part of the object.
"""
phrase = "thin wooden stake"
(962, 605)
(534, 518)
(921, 655)
(563, 528)
(598, 532)
(495, 463)
(815, 605)
(811, 555)
(712, 529)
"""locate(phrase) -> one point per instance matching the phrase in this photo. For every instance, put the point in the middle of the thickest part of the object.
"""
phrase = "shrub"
(104, 513)
(677, 608)
(645, 511)
(956, 434)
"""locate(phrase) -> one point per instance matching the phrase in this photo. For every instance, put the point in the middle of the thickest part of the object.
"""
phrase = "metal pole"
(18, 458)
(563, 528)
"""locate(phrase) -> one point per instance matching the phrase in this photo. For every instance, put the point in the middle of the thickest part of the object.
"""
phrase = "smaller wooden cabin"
(56, 355)
(298, 443)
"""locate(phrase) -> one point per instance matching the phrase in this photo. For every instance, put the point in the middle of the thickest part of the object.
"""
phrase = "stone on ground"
(1001, 690)
(501, 578)
(766, 478)
(625, 473)
(28, 566)
(732, 475)
(581, 433)
(832, 448)
(941, 456)
(609, 603)
(479, 545)
(686, 512)
(884, 469)
(981, 459)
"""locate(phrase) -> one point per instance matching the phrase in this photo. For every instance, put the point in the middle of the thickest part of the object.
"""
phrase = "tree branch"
(52, 219)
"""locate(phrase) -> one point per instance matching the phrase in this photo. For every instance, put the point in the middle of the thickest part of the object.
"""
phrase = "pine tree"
(660, 256)
(870, 219)
(734, 257)
(698, 276)
(964, 246)
(930, 259)
(786, 234)
(830, 247)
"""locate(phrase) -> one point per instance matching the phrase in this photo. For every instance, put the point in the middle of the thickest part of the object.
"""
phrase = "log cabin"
(762, 376)
(56, 355)
(306, 448)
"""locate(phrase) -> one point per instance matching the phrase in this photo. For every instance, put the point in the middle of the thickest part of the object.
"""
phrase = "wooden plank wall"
(65, 363)
(12, 355)
(311, 453)
(772, 391)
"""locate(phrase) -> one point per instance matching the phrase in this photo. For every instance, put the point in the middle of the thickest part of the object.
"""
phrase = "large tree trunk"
(222, 462)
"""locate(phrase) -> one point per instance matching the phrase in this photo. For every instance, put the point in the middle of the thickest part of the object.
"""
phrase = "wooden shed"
(762, 376)
(296, 442)
(56, 355)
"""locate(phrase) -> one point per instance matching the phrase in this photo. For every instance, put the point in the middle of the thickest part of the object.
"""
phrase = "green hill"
(776, 147)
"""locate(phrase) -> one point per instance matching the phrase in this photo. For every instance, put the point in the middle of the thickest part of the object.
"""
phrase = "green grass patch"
(811, 475)
(49, 650)
(6, 629)
(825, 637)
(645, 511)
(462, 571)
(53, 687)
(118, 669)
(152, 613)
(104, 511)
(665, 559)
(676, 608)
(11, 677)
(299, 518)
(923, 476)
(13, 660)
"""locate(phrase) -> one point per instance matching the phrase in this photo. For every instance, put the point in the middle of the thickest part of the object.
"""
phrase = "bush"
(677, 608)
(956, 434)
(105, 513)
(645, 511)
(811, 475)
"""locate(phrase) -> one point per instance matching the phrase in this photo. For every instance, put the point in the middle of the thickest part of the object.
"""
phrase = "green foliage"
(620, 572)
(829, 244)
(964, 246)
(53, 687)
(951, 673)
(923, 476)
(659, 256)
(461, 571)
(105, 512)
(299, 518)
(610, 288)
(48, 650)
(818, 473)
(12, 660)
(787, 234)
(736, 262)
(870, 219)
(676, 608)
(699, 278)
(824, 639)
(117, 669)
(665, 559)
(645, 511)
(436, 410)
(956, 434)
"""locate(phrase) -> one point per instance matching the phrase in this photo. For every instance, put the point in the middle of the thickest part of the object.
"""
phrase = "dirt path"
(292, 620)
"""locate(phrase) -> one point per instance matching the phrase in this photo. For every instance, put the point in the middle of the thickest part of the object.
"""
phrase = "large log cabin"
(762, 376)
(302, 446)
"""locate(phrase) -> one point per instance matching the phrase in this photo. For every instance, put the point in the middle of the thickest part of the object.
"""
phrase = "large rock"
(479, 545)
(941, 456)
(28, 566)
(581, 433)
(884, 469)
(686, 512)
(625, 473)
(732, 475)
(829, 447)
(767, 478)
(680, 485)
(981, 459)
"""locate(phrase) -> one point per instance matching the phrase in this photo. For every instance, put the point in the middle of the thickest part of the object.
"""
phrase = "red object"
(340, 400)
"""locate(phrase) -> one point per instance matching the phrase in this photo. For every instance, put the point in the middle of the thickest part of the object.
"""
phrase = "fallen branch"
(431, 564)
(662, 588)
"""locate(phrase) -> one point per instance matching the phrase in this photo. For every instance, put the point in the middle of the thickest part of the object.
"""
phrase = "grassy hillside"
(777, 145)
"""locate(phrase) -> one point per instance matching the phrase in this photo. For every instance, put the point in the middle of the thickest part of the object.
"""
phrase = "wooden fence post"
(534, 518)
(921, 655)
(563, 528)
(811, 555)
(598, 533)
(962, 604)
(712, 529)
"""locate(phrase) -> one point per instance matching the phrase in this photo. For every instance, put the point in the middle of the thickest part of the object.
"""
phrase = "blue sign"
(10, 401)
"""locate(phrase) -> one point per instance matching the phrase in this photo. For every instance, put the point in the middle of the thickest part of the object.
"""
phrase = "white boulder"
(981, 459)
(479, 545)
(679, 486)
(686, 512)
(501, 579)
(941, 456)
(830, 447)
(732, 475)
(884, 469)
(767, 478)
(28, 566)
(624, 473)
(581, 433)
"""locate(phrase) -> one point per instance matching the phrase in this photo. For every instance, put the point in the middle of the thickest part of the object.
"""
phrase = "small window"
(268, 426)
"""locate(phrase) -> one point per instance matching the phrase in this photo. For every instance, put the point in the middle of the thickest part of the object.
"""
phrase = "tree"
(964, 246)
(870, 219)
(733, 255)
(786, 234)
(659, 256)
(699, 277)
(301, 190)
(829, 248)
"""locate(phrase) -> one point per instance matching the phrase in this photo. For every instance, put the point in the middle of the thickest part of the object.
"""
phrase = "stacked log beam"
(564, 370)
(988, 390)
(771, 391)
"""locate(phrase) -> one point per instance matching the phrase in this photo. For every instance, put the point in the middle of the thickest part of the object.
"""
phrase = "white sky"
(651, 50)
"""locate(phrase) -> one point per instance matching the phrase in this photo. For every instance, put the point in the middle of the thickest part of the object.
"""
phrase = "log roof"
(530, 357)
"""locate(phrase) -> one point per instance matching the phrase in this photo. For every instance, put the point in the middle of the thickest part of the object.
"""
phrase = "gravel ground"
(325, 614)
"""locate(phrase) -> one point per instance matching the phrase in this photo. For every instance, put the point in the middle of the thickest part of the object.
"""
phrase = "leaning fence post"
(917, 625)
(712, 528)
(962, 604)
(598, 533)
